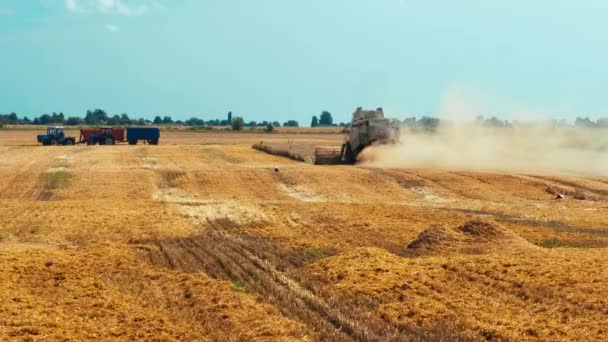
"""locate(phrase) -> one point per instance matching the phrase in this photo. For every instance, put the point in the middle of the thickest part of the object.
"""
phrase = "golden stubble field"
(200, 238)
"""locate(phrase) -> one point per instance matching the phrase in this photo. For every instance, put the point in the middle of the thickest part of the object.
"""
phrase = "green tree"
(195, 122)
(73, 121)
(326, 119)
(114, 120)
(167, 120)
(291, 123)
(237, 123)
(157, 120)
(57, 118)
(314, 122)
(96, 117)
(269, 128)
(45, 119)
(124, 119)
(13, 119)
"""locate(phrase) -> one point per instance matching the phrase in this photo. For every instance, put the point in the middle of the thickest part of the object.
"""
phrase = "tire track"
(257, 265)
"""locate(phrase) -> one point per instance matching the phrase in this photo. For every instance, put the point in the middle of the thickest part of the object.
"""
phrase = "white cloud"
(112, 6)
(112, 28)
(72, 6)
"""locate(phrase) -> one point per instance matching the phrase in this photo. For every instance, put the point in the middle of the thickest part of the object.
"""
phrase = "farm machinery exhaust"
(368, 127)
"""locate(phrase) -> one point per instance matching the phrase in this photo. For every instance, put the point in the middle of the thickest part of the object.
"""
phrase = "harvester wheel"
(53, 142)
(109, 141)
(349, 156)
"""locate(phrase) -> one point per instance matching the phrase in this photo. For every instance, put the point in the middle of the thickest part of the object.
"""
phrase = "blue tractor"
(55, 136)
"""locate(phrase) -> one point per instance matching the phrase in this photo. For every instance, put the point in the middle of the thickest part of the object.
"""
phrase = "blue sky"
(280, 59)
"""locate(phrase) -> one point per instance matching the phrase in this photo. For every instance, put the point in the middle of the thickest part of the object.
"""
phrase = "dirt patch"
(233, 213)
(146, 161)
(230, 212)
(429, 195)
(293, 189)
(300, 192)
(473, 237)
(221, 155)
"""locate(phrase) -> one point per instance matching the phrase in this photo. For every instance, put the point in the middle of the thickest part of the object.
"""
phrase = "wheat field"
(200, 238)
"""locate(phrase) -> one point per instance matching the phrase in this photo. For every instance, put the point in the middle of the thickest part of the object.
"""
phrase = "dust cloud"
(521, 148)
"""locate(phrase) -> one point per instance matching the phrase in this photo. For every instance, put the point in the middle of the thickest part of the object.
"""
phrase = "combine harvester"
(368, 127)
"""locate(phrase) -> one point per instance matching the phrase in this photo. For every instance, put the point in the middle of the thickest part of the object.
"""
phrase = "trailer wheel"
(109, 141)
(69, 142)
(132, 142)
(154, 142)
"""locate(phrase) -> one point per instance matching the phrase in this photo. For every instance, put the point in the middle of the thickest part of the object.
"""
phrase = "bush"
(237, 124)
(269, 129)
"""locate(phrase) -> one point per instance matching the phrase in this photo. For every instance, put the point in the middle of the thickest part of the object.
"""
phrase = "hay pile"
(472, 237)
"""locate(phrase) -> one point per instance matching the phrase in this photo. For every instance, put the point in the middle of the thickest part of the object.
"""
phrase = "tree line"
(325, 119)
(101, 117)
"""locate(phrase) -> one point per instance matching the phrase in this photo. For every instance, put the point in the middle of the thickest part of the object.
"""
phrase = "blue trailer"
(149, 135)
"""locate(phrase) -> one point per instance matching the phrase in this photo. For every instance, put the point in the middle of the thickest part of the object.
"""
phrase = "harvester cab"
(55, 136)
